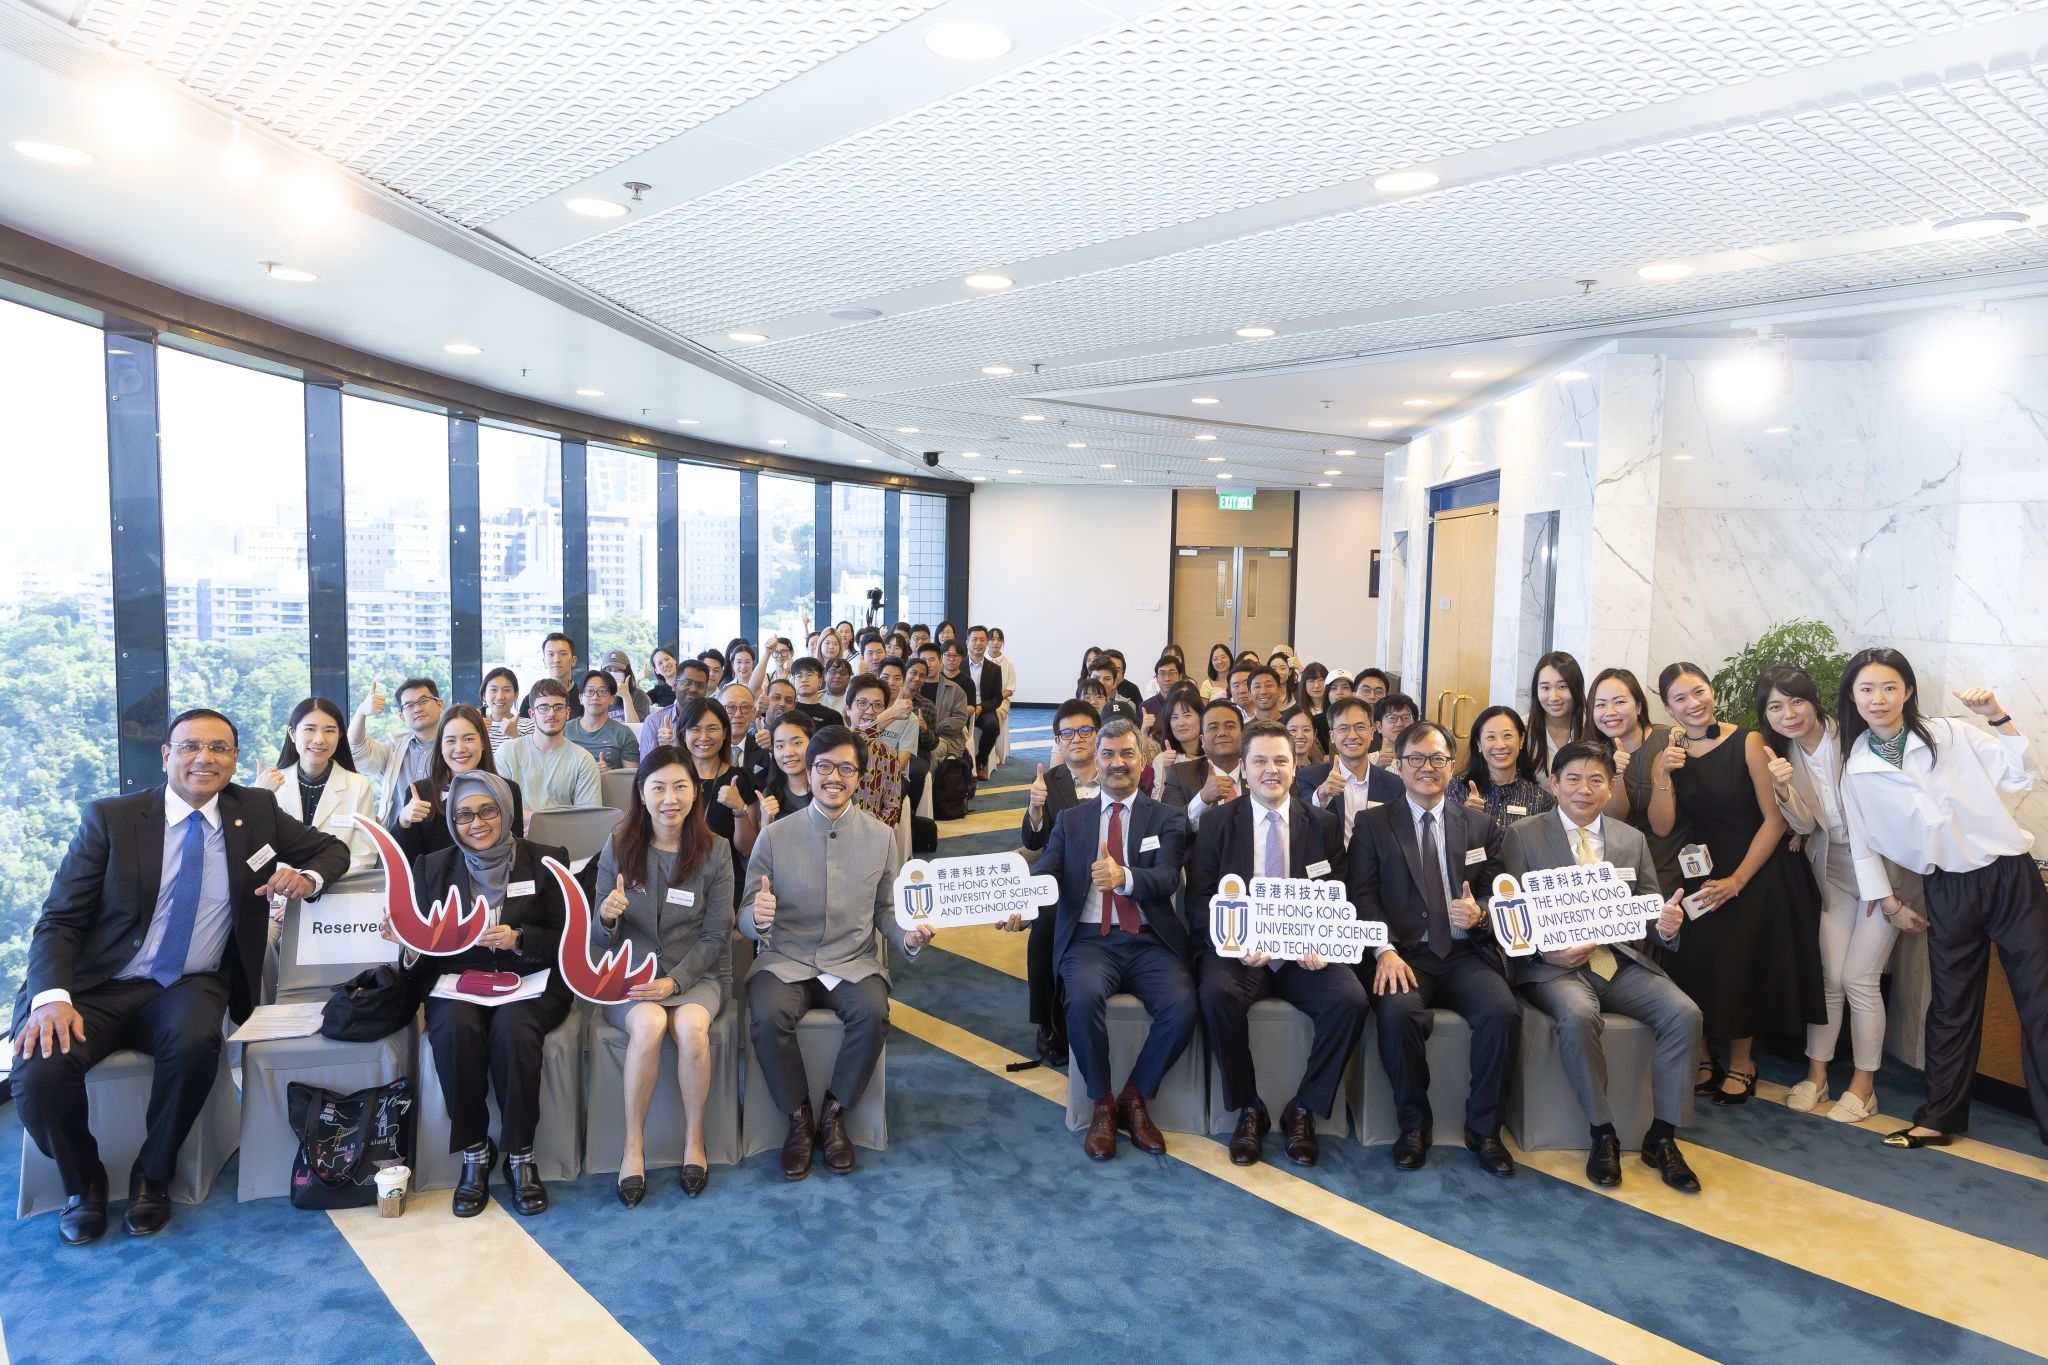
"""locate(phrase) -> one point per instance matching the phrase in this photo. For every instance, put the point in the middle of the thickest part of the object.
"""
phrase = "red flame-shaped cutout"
(445, 931)
(607, 980)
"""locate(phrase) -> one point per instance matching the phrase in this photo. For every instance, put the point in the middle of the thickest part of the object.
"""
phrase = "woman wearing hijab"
(482, 1048)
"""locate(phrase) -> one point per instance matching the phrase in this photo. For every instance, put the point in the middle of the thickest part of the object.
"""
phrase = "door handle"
(1438, 714)
(1457, 711)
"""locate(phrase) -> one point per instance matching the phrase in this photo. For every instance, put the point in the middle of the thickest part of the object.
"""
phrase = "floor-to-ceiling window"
(923, 559)
(625, 555)
(789, 514)
(395, 468)
(709, 504)
(520, 481)
(857, 551)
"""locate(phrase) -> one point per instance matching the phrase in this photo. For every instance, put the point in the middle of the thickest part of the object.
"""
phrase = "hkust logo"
(1230, 915)
(1513, 923)
(918, 897)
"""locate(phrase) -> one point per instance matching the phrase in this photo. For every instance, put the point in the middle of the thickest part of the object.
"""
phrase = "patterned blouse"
(1506, 804)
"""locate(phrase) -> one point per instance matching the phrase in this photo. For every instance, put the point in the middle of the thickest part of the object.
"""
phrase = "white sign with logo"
(341, 928)
(1556, 908)
(1289, 918)
(985, 888)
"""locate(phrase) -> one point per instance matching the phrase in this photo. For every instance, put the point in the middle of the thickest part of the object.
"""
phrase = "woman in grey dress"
(667, 886)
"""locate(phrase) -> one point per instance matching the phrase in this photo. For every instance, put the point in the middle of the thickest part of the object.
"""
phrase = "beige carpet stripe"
(1966, 1149)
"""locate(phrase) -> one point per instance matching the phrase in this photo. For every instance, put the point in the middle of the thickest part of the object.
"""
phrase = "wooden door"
(1460, 615)
(1265, 603)
(1204, 602)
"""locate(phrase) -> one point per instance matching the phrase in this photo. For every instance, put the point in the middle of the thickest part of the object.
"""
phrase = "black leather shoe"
(832, 1138)
(522, 1172)
(695, 1178)
(473, 1187)
(149, 1207)
(798, 1146)
(1493, 1157)
(1664, 1155)
(632, 1189)
(1603, 1163)
(1252, 1127)
(1298, 1126)
(1411, 1149)
(84, 1216)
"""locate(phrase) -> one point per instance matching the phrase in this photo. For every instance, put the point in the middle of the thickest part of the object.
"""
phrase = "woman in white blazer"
(316, 782)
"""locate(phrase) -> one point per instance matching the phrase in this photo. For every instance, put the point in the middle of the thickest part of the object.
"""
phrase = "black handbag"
(369, 1006)
(344, 1140)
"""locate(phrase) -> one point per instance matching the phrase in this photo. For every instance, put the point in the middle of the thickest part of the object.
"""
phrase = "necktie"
(1116, 902)
(1603, 961)
(169, 963)
(1434, 897)
(1276, 858)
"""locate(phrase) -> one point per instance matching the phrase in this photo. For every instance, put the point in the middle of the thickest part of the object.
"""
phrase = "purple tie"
(1276, 851)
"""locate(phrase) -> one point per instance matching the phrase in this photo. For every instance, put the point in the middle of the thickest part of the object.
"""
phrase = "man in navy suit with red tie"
(1118, 861)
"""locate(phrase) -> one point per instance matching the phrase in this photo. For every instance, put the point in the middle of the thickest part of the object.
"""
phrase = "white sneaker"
(1849, 1109)
(1806, 1097)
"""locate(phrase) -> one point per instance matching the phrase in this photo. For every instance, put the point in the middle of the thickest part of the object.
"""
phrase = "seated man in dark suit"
(1118, 862)
(1576, 986)
(1412, 865)
(1351, 783)
(1271, 832)
(155, 925)
(1053, 794)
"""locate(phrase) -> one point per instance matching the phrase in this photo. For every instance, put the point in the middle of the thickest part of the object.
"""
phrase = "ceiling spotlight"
(1968, 225)
(863, 459)
(686, 421)
(1571, 374)
(977, 478)
(1206, 402)
(239, 162)
(1967, 353)
(1032, 417)
(597, 208)
(462, 348)
(1013, 471)
(1206, 436)
(1663, 270)
(1760, 373)
(134, 112)
(965, 41)
(1217, 459)
(997, 370)
(1379, 422)
(778, 442)
(988, 281)
(1416, 402)
(1077, 445)
(831, 393)
(1105, 466)
(1468, 374)
(287, 273)
(1223, 476)
(970, 454)
(747, 338)
(1346, 451)
(1407, 182)
(1776, 431)
(907, 431)
(1331, 473)
(1255, 333)
(314, 197)
(590, 393)
(1682, 455)
(55, 153)
(1322, 485)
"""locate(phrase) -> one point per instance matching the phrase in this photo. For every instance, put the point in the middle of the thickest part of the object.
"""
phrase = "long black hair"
(1851, 720)
(1538, 742)
(288, 752)
(1794, 682)
(1476, 772)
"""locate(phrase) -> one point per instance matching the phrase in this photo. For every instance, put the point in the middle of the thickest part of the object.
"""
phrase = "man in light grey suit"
(820, 899)
(1575, 986)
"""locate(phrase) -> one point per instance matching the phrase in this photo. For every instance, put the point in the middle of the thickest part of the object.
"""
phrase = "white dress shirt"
(1593, 834)
(1357, 796)
(1940, 808)
(1091, 909)
(1195, 803)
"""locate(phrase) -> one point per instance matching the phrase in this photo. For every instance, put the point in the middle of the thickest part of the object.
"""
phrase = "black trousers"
(913, 783)
(989, 726)
(1466, 983)
(480, 1050)
(2003, 903)
(1041, 973)
(178, 1025)
(1334, 999)
(773, 1008)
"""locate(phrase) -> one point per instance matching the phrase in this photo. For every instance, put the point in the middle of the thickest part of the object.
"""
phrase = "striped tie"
(1603, 961)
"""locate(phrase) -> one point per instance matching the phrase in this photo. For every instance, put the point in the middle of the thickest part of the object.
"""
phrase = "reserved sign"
(342, 928)
(986, 888)
(1289, 918)
(1553, 909)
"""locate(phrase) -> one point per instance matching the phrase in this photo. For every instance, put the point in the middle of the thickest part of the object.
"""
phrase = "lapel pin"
(238, 823)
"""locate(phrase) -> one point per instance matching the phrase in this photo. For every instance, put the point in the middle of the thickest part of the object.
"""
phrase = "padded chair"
(1182, 1104)
(1449, 1050)
(618, 788)
(117, 1099)
(269, 1068)
(1001, 753)
(1280, 1037)
(818, 1035)
(604, 1125)
(581, 830)
(1542, 1110)
(557, 1140)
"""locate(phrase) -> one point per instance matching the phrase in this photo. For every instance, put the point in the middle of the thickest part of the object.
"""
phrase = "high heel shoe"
(695, 1178)
(632, 1189)
(1729, 1098)
(1712, 1080)
(1906, 1137)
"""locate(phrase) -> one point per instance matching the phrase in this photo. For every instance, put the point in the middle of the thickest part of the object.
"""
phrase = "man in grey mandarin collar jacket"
(820, 900)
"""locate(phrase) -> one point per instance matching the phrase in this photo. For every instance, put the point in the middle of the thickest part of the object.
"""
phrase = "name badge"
(1518, 810)
(1474, 855)
(678, 896)
(518, 889)
(1088, 792)
(1627, 874)
(1149, 844)
(1320, 868)
(260, 857)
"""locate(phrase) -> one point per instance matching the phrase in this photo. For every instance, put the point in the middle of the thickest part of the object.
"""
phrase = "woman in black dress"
(787, 788)
(727, 795)
(1750, 959)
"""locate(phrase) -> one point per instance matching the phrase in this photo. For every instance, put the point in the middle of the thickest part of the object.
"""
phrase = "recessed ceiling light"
(1322, 485)
(1032, 417)
(1077, 445)
(988, 280)
(1468, 374)
(1407, 182)
(1223, 476)
(1105, 466)
(1571, 374)
(863, 459)
(462, 348)
(314, 197)
(1776, 431)
(1255, 333)
(55, 153)
(1968, 225)
(1206, 436)
(907, 431)
(1013, 471)
(1130, 480)
(590, 393)
(997, 369)
(831, 393)
(965, 41)
(287, 273)
(1206, 402)
(1683, 455)
(977, 478)
(597, 208)
(970, 454)
(1578, 445)
(778, 442)
(1379, 422)
(1663, 270)
(1557, 473)
(1344, 452)
(1331, 473)
(686, 421)
(1416, 402)
(747, 338)
(1217, 459)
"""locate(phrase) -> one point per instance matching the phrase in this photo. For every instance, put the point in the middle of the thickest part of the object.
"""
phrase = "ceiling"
(1152, 178)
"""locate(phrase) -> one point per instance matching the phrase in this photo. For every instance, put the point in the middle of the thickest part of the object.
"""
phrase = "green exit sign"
(1231, 500)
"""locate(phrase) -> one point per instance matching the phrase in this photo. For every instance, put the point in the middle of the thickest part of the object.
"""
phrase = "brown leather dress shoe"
(1100, 1144)
(1252, 1127)
(832, 1137)
(1132, 1118)
(798, 1146)
(1298, 1125)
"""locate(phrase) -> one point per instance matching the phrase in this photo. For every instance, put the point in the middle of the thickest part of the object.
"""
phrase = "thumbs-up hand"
(770, 809)
(270, 779)
(764, 906)
(729, 797)
(1038, 795)
(1672, 915)
(1980, 700)
(373, 704)
(614, 903)
(1780, 770)
(1465, 911)
(1472, 797)
(604, 764)
(1333, 785)
(667, 733)
(416, 808)
(1107, 874)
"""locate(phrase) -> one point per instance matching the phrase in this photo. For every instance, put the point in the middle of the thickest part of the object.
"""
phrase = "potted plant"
(1809, 644)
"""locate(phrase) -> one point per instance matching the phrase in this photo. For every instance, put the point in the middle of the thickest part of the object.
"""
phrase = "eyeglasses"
(1077, 732)
(551, 709)
(480, 815)
(825, 767)
(1350, 731)
(1417, 762)
(213, 748)
(418, 704)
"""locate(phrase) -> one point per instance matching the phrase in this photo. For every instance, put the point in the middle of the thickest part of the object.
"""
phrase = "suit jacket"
(431, 835)
(383, 761)
(538, 913)
(104, 895)
(1155, 872)
(835, 896)
(1383, 871)
(1381, 784)
(346, 795)
(989, 695)
(949, 712)
(1060, 797)
(1539, 841)
(690, 941)
(1185, 780)
(1227, 841)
